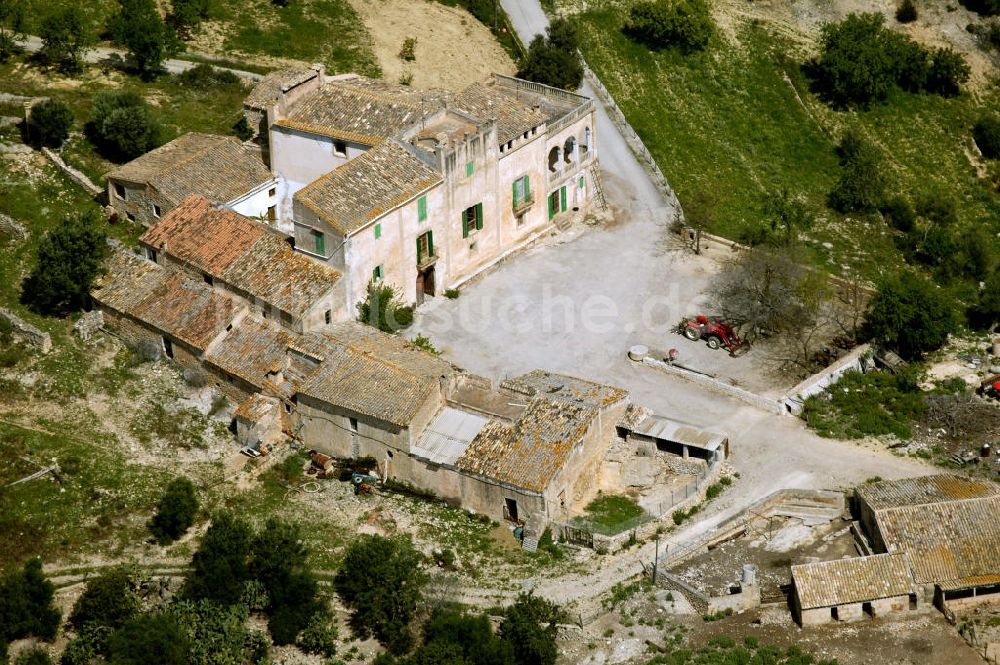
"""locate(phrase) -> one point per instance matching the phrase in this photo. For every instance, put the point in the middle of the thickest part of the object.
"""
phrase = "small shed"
(258, 422)
(675, 437)
(853, 589)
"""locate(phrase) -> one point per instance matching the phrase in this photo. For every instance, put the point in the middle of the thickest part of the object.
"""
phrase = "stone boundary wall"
(27, 332)
(764, 403)
(632, 138)
(796, 397)
(77, 176)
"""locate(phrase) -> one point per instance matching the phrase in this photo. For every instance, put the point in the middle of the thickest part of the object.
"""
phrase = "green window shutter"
(479, 215)
(419, 253)
(320, 242)
(421, 208)
(552, 207)
(465, 224)
(378, 231)
(581, 182)
(469, 167)
(562, 198)
(430, 243)
(514, 198)
(527, 189)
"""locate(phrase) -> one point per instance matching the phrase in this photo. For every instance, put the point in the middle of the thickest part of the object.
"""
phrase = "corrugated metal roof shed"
(658, 427)
(448, 435)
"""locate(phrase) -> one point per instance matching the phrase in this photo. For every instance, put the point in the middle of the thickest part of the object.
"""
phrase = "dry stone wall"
(27, 332)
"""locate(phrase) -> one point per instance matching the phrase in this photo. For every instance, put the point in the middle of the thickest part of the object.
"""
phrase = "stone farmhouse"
(933, 539)
(526, 450)
(384, 183)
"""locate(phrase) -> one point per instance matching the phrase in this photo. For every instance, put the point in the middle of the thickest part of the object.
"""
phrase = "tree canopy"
(69, 257)
(51, 121)
(554, 59)
(123, 126)
(862, 183)
(138, 27)
(219, 568)
(911, 315)
(381, 580)
(107, 600)
(26, 607)
(683, 24)
(65, 37)
(176, 511)
(150, 639)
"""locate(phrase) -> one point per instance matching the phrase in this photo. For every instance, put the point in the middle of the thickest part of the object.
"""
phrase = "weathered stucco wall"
(138, 202)
(301, 157)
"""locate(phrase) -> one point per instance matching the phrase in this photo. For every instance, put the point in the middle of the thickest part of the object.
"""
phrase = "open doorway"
(510, 509)
(866, 608)
(168, 348)
(425, 284)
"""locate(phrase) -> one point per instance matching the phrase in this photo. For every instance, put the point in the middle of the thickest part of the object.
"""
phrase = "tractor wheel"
(714, 342)
(691, 333)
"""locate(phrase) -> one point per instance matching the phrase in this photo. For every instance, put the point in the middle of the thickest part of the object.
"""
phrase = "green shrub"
(186, 15)
(862, 183)
(65, 35)
(108, 600)
(149, 634)
(860, 405)
(986, 133)
(384, 309)
(984, 7)
(319, 636)
(91, 644)
(683, 24)
(948, 73)
(176, 511)
(408, 51)
(900, 214)
(451, 294)
(123, 127)
(423, 342)
(906, 12)
(242, 129)
(138, 27)
(203, 76)
(216, 633)
(51, 121)
(714, 490)
(219, 567)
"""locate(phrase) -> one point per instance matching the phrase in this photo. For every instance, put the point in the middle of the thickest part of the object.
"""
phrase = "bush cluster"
(683, 24)
(862, 183)
(861, 61)
(911, 315)
(983, 7)
(906, 12)
(176, 512)
(26, 607)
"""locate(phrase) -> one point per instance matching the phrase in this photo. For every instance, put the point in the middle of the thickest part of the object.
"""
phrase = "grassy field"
(739, 120)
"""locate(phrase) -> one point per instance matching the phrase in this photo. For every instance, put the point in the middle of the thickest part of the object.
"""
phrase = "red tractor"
(716, 334)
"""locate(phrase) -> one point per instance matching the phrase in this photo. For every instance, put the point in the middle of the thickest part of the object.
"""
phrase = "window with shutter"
(469, 168)
(465, 223)
(422, 209)
(479, 216)
(378, 231)
(319, 242)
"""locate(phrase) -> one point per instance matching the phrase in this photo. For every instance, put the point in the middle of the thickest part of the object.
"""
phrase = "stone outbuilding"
(852, 589)
(221, 168)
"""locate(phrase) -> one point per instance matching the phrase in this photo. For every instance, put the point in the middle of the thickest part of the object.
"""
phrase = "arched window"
(569, 150)
(554, 156)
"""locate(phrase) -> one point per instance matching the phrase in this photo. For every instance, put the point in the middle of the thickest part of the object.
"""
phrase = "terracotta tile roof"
(217, 167)
(855, 580)
(564, 388)
(252, 349)
(128, 279)
(924, 489)
(199, 235)
(368, 186)
(359, 109)
(530, 452)
(184, 309)
(243, 254)
(947, 542)
(358, 381)
(267, 91)
(515, 113)
(395, 349)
